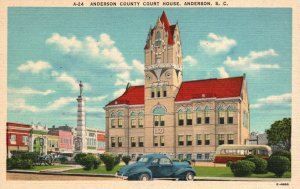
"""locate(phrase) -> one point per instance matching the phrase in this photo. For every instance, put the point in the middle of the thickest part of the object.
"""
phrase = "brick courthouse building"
(166, 115)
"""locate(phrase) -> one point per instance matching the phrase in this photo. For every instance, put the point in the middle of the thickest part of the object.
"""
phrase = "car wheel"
(144, 177)
(189, 176)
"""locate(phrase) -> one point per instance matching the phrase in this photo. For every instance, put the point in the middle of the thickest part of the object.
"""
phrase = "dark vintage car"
(157, 166)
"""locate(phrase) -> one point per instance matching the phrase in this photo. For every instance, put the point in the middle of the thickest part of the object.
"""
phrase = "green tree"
(279, 135)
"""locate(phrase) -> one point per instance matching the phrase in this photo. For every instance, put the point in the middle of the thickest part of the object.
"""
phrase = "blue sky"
(51, 49)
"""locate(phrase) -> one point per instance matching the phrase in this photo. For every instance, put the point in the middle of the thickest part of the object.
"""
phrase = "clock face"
(168, 74)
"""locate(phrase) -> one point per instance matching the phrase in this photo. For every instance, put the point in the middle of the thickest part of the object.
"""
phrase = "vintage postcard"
(103, 93)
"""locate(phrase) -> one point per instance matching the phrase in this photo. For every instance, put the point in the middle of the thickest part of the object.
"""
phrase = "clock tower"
(163, 77)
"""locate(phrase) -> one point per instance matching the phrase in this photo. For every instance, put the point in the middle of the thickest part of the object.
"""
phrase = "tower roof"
(209, 88)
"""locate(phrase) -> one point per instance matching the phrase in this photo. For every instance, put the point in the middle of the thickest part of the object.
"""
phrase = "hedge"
(242, 168)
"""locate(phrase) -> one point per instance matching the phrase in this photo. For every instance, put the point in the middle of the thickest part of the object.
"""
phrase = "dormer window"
(158, 39)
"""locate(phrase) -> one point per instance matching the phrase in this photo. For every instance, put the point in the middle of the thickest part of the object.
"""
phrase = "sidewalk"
(61, 169)
(241, 179)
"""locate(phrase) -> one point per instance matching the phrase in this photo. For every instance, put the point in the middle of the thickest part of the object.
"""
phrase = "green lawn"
(226, 172)
(201, 172)
(44, 167)
(100, 170)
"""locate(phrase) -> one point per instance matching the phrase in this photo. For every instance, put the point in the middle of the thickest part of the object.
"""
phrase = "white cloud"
(66, 78)
(20, 104)
(65, 44)
(217, 44)
(249, 62)
(191, 61)
(96, 99)
(34, 67)
(138, 66)
(102, 51)
(29, 91)
(119, 92)
(222, 72)
(283, 99)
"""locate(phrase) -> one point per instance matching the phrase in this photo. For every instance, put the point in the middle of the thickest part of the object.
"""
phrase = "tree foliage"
(279, 135)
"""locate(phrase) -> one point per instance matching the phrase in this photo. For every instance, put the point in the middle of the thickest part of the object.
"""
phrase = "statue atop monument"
(81, 88)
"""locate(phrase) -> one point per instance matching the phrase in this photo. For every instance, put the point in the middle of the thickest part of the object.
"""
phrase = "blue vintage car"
(157, 166)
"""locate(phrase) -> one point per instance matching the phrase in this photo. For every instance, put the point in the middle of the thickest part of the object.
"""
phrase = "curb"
(241, 179)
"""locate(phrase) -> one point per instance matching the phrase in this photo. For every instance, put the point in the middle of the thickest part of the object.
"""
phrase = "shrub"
(88, 161)
(250, 156)
(284, 153)
(33, 156)
(278, 165)
(78, 157)
(97, 163)
(228, 164)
(117, 160)
(126, 159)
(242, 168)
(261, 165)
(109, 161)
(18, 163)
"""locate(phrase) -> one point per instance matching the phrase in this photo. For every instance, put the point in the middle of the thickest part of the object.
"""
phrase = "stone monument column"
(81, 138)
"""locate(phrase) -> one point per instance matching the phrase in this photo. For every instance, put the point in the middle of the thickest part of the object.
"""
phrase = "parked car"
(157, 166)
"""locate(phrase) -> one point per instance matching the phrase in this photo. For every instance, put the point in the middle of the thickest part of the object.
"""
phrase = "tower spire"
(81, 88)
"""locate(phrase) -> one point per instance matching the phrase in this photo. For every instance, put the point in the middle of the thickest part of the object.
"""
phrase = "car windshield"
(143, 160)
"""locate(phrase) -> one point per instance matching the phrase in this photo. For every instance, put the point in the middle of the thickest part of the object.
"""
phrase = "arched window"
(158, 91)
(158, 114)
(230, 111)
(120, 119)
(113, 116)
(180, 118)
(199, 114)
(206, 115)
(158, 39)
(133, 119)
(165, 90)
(221, 114)
(152, 92)
(189, 117)
(141, 119)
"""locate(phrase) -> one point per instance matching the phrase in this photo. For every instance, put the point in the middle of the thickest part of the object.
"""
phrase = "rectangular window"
(141, 122)
(133, 123)
(207, 139)
(206, 120)
(113, 123)
(180, 156)
(206, 156)
(230, 139)
(189, 140)
(180, 119)
(162, 120)
(119, 141)
(155, 141)
(199, 156)
(133, 156)
(133, 143)
(198, 139)
(221, 139)
(230, 117)
(189, 120)
(156, 120)
(162, 141)
(206, 115)
(25, 139)
(120, 123)
(198, 115)
(113, 142)
(180, 140)
(189, 156)
(221, 117)
(141, 141)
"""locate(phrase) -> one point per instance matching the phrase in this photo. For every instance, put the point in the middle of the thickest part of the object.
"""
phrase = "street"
(28, 176)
